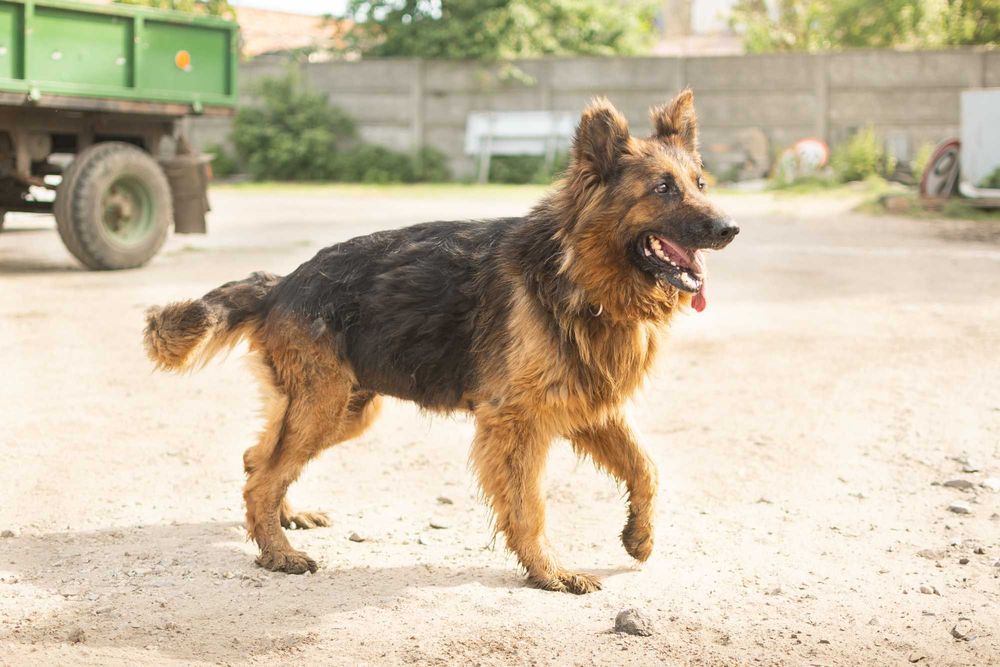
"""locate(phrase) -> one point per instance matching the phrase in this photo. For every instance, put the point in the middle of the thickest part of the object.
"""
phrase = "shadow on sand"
(193, 590)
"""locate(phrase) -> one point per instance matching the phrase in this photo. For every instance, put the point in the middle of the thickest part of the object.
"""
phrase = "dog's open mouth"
(678, 266)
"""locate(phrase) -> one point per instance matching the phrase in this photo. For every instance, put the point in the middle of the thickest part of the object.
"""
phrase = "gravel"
(959, 507)
(633, 622)
(962, 630)
(991, 484)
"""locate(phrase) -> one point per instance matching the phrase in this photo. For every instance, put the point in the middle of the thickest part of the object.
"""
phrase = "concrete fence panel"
(750, 107)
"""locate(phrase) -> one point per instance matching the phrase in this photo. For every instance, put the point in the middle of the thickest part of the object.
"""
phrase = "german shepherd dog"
(540, 326)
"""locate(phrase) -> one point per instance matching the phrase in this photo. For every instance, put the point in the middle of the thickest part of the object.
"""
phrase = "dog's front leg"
(509, 456)
(613, 446)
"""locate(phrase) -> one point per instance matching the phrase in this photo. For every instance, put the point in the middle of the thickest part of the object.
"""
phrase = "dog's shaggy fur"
(540, 326)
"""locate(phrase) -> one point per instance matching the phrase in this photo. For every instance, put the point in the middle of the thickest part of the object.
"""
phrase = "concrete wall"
(748, 106)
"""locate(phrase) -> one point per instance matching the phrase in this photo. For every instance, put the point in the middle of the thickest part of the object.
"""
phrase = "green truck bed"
(63, 54)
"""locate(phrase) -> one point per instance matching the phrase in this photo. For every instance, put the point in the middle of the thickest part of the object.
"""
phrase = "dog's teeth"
(648, 253)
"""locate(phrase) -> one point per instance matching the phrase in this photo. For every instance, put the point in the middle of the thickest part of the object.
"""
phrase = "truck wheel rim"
(127, 210)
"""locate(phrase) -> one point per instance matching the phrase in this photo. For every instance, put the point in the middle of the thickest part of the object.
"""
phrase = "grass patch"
(813, 186)
(910, 205)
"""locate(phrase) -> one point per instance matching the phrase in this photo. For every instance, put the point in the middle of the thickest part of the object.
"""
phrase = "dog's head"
(642, 217)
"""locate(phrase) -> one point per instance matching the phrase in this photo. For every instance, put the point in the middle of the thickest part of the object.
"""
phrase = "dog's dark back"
(404, 307)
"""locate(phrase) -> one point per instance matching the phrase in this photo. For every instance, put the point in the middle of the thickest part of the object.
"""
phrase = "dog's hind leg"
(304, 417)
(613, 446)
(509, 456)
(362, 409)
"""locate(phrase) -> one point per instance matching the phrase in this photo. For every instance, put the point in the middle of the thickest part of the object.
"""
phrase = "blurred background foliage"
(821, 25)
(493, 30)
(209, 7)
(294, 134)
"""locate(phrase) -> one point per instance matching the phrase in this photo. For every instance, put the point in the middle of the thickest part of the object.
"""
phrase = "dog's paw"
(569, 582)
(291, 561)
(304, 520)
(637, 539)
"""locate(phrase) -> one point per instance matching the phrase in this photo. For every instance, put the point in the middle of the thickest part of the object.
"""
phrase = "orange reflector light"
(183, 60)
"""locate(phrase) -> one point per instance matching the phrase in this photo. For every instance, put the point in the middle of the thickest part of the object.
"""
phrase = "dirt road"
(802, 425)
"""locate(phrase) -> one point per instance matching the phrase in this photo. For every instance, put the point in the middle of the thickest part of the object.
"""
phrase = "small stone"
(633, 622)
(439, 523)
(228, 575)
(991, 484)
(916, 657)
(958, 507)
(933, 554)
(968, 465)
(963, 561)
(445, 500)
(354, 537)
(929, 590)
(8, 533)
(962, 630)
(775, 591)
(960, 484)
(423, 540)
(77, 636)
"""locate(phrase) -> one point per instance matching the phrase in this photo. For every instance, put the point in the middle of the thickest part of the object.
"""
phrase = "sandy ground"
(802, 425)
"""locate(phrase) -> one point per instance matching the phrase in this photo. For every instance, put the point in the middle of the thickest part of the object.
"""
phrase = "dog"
(540, 326)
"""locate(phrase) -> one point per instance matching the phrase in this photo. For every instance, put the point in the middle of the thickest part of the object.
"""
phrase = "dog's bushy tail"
(186, 334)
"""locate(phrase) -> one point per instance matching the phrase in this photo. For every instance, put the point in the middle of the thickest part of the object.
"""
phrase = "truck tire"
(113, 207)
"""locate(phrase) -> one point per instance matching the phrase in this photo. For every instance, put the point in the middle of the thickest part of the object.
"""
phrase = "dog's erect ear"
(601, 139)
(677, 119)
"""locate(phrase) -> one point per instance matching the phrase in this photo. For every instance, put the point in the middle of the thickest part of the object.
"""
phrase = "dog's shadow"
(193, 590)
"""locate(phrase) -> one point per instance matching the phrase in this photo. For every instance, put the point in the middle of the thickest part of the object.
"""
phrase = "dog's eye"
(701, 183)
(662, 188)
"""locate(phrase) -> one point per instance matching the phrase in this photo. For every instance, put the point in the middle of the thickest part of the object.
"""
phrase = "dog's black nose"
(721, 231)
(728, 231)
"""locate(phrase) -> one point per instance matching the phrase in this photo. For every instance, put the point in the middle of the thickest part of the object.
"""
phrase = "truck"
(92, 100)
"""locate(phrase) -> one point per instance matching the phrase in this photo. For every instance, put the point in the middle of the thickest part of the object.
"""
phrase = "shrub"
(293, 135)
(223, 163)
(861, 156)
(368, 163)
(521, 169)
(432, 166)
(991, 181)
(919, 162)
(297, 135)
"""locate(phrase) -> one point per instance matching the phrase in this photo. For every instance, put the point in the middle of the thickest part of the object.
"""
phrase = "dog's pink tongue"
(698, 301)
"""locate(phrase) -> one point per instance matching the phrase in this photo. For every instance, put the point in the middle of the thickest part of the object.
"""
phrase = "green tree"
(968, 22)
(817, 25)
(209, 7)
(499, 29)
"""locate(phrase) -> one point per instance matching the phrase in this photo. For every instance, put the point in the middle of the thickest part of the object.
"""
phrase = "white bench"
(489, 133)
